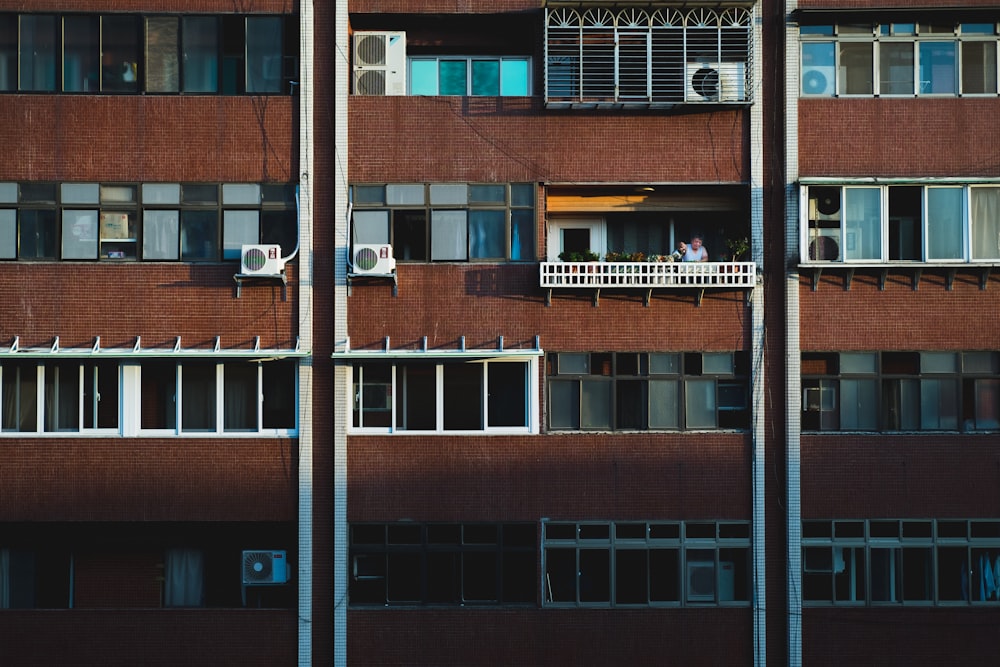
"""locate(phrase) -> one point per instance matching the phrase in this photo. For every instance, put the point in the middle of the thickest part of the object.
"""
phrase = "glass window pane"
(564, 405)
(699, 403)
(241, 194)
(199, 235)
(397, 195)
(485, 77)
(279, 388)
(239, 228)
(507, 394)
(160, 234)
(858, 362)
(858, 405)
(939, 404)
(514, 75)
(855, 74)
(663, 404)
(279, 227)
(938, 362)
(487, 231)
(985, 216)
(522, 194)
(818, 67)
(979, 67)
(595, 575)
(987, 404)
(158, 394)
(944, 223)
(198, 397)
(264, 49)
(18, 391)
(938, 68)
(522, 235)
(81, 54)
(372, 395)
(120, 53)
(37, 234)
(162, 54)
(449, 194)
(409, 235)
(452, 77)
(8, 193)
(487, 194)
(368, 194)
(79, 234)
(896, 68)
(862, 221)
(62, 396)
(717, 363)
(595, 404)
(8, 52)
(161, 193)
(423, 76)
(664, 363)
(240, 396)
(463, 397)
(416, 398)
(200, 54)
(8, 234)
(449, 235)
(574, 362)
(371, 227)
(38, 53)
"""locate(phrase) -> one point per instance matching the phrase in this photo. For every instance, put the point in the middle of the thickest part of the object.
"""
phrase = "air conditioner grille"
(370, 82)
(366, 259)
(370, 50)
(257, 566)
(705, 82)
(254, 260)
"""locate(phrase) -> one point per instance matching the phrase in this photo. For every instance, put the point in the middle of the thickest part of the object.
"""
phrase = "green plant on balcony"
(585, 256)
(738, 248)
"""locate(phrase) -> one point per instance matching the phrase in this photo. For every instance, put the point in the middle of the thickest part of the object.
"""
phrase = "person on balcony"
(695, 252)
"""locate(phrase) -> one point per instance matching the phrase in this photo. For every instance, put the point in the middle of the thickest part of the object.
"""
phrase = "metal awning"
(459, 353)
(256, 352)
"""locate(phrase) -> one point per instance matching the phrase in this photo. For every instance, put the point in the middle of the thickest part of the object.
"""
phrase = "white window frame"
(532, 403)
(595, 225)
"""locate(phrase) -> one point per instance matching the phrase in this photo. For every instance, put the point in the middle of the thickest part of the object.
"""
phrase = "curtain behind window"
(985, 223)
(183, 578)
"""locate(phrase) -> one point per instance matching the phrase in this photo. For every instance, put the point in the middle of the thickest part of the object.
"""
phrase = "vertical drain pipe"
(306, 408)
(793, 377)
(758, 416)
(341, 372)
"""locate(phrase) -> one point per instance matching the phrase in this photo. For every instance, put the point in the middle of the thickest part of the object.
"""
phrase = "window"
(634, 55)
(35, 578)
(900, 391)
(122, 397)
(445, 396)
(599, 564)
(470, 75)
(909, 561)
(149, 221)
(606, 391)
(899, 59)
(130, 54)
(907, 223)
(442, 564)
(447, 221)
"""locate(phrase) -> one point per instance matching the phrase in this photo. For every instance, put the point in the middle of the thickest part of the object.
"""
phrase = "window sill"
(915, 270)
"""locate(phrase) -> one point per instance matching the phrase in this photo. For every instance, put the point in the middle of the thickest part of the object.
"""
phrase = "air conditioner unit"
(824, 244)
(264, 568)
(373, 259)
(380, 63)
(701, 582)
(261, 260)
(716, 82)
(818, 80)
(825, 207)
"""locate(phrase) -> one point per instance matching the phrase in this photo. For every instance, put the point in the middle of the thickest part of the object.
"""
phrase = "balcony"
(646, 276)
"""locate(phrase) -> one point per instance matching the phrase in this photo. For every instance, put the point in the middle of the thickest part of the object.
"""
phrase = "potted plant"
(585, 256)
(738, 248)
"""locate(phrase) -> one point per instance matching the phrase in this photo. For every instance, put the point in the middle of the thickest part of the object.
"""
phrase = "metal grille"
(642, 57)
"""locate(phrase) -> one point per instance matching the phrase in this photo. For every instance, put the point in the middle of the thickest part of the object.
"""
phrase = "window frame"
(902, 542)
(619, 370)
(469, 61)
(894, 376)
(690, 541)
(892, 36)
(396, 394)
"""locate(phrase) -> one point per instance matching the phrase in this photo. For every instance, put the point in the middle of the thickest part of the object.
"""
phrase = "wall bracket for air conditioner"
(240, 278)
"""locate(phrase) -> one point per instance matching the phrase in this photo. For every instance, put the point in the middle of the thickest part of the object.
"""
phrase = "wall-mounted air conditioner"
(261, 260)
(824, 243)
(825, 206)
(380, 63)
(373, 259)
(265, 568)
(818, 80)
(716, 82)
(701, 581)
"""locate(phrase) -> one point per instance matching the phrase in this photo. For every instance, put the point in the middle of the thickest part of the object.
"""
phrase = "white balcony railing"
(648, 274)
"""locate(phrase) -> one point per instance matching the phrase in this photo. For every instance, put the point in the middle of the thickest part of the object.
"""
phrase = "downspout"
(341, 372)
(793, 378)
(758, 415)
(304, 199)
